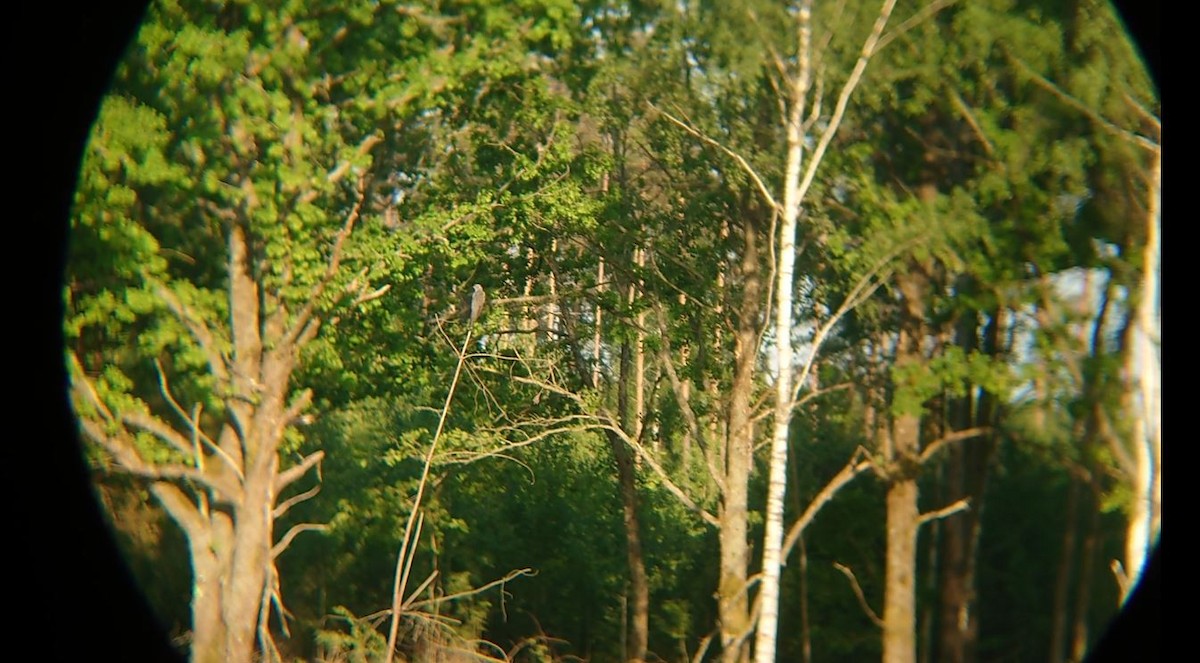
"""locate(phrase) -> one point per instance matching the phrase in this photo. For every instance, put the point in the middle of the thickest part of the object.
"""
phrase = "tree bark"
(1062, 579)
(899, 597)
(639, 585)
(733, 604)
(902, 454)
(768, 619)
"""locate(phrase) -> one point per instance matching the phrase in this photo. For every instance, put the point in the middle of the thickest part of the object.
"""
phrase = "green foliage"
(514, 145)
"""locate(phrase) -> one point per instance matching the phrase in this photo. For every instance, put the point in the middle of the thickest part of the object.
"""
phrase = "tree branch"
(913, 21)
(741, 161)
(853, 468)
(965, 434)
(197, 328)
(858, 593)
(301, 329)
(294, 500)
(288, 476)
(949, 510)
(1096, 118)
(292, 534)
(868, 50)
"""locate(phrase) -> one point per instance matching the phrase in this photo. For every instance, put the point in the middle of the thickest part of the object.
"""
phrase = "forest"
(648, 331)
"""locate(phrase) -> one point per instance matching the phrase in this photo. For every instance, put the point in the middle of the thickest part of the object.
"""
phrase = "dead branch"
(511, 575)
(366, 145)
(855, 466)
(131, 463)
(949, 510)
(298, 405)
(868, 50)
(159, 429)
(965, 434)
(741, 161)
(858, 593)
(365, 297)
(197, 328)
(292, 534)
(288, 476)
(913, 21)
(420, 588)
(294, 500)
(1048, 85)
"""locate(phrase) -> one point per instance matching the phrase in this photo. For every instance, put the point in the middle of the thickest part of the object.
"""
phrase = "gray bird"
(477, 301)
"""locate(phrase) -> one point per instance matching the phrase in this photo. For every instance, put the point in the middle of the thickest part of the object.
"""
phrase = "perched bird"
(477, 301)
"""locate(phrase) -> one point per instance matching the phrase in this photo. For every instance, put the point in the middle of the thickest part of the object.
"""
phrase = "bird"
(477, 300)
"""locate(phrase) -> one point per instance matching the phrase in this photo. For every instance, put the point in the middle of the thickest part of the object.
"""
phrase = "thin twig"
(858, 593)
(741, 161)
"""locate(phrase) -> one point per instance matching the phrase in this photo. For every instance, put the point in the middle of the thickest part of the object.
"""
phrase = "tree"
(214, 237)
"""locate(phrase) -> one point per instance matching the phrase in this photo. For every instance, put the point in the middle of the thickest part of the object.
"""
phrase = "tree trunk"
(639, 585)
(1144, 400)
(1087, 561)
(902, 453)
(1062, 580)
(768, 620)
(899, 596)
(733, 606)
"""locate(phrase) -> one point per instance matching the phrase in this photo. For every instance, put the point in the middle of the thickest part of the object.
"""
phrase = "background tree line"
(283, 207)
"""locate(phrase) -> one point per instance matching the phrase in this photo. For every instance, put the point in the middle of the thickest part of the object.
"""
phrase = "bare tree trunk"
(229, 510)
(733, 603)
(768, 620)
(902, 455)
(639, 585)
(899, 596)
(1144, 400)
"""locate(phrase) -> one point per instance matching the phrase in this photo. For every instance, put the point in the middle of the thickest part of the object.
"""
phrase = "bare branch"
(375, 294)
(298, 405)
(292, 534)
(603, 420)
(301, 329)
(853, 468)
(508, 577)
(913, 21)
(288, 476)
(131, 462)
(965, 434)
(949, 510)
(294, 500)
(868, 50)
(420, 588)
(335, 175)
(741, 161)
(858, 593)
(1068, 99)
(199, 330)
(159, 429)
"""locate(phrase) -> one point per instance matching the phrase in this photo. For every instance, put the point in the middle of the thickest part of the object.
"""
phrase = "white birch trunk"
(1145, 371)
(795, 187)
